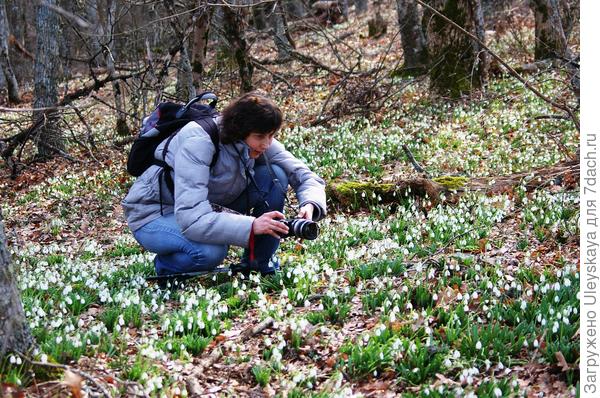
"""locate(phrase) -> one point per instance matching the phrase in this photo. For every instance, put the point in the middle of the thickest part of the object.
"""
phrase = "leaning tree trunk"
(49, 139)
(122, 128)
(5, 65)
(550, 39)
(280, 33)
(411, 34)
(458, 64)
(14, 329)
(233, 25)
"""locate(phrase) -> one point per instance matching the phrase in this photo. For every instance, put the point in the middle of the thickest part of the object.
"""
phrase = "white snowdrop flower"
(497, 392)
(456, 354)
(567, 282)
(536, 344)
(435, 297)
(525, 343)
(12, 359)
(447, 362)
(44, 358)
(478, 345)
(555, 327)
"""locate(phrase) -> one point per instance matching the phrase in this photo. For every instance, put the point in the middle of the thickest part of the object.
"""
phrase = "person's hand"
(306, 211)
(268, 224)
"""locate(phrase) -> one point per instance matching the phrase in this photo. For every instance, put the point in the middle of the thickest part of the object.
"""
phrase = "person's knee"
(280, 175)
(211, 256)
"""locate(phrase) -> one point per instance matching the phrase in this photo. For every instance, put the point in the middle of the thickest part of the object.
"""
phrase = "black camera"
(304, 229)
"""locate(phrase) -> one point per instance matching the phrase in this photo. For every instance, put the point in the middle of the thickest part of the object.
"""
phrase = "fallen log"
(354, 195)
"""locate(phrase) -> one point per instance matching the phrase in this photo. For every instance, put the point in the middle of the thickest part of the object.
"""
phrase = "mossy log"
(353, 195)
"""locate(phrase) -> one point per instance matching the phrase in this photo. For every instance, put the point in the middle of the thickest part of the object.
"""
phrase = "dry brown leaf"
(562, 361)
(376, 386)
(74, 381)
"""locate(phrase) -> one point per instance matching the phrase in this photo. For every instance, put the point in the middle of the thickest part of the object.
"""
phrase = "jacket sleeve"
(193, 212)
(309, 187)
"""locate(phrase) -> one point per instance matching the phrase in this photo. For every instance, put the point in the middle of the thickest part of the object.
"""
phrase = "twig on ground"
(415, 164)
(85, 375)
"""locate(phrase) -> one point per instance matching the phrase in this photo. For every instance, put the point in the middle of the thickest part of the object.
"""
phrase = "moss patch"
(452, 183)
(359, 194)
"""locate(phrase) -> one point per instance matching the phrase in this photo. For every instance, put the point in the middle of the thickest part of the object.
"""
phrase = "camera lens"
(305, 229)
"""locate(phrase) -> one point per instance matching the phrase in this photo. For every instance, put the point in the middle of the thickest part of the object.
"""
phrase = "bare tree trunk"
(50, 139)
(258, 16)
(97, 33)
(411, 34)
(185, 81)
(345, 9)
(233, 25)
(200, 43)
(550, 39)
(458, 64)
(569, 14)
(361, 6)
(5, 66)
(280, 34)
(14, 329)
(122, 128)
(296, 8)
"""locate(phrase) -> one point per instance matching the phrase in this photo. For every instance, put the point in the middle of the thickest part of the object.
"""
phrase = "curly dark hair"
(250, 113)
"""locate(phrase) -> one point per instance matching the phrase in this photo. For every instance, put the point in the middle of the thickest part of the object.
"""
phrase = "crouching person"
(235, 199)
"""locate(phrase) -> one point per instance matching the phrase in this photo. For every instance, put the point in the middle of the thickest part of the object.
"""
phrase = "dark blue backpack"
(164, 123)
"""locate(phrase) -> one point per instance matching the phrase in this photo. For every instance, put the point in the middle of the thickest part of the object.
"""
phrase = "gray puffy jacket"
(197, 186)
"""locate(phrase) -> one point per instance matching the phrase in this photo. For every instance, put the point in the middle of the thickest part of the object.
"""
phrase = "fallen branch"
(265, 324)
(354, 195)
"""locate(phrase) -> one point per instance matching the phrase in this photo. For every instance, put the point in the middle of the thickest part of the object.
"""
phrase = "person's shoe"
(246, 268)
(159, 268)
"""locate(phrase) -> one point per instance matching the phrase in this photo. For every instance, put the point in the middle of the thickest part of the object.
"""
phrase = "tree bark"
(185, 80)
(280, 33)
(458, 64)
(411, 35)
(550, 39)
(569, 15)
(97, 33)
(200, 43)
(6, 69)
(14, 329)
(361, 6)
(49, 139)
(233, 25)
(122, 127)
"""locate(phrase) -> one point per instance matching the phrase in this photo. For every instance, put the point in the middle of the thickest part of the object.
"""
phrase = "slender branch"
(511, 71)
(412, 159)
(65, 367)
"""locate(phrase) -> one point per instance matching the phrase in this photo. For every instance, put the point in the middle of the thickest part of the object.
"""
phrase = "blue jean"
(176, 253)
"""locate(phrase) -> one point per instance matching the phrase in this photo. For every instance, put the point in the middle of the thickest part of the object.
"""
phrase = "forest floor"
(411, 298)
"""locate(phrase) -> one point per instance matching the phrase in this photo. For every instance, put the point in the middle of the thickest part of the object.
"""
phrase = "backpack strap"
(209, 125)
